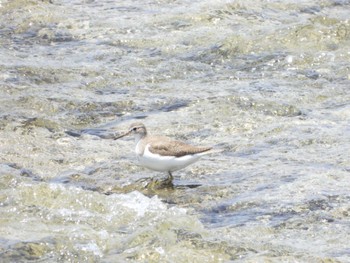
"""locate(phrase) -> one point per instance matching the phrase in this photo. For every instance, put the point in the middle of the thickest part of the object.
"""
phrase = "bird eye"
(134, 129)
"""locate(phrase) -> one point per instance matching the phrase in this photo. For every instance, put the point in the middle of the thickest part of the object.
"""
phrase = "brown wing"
(175, 148)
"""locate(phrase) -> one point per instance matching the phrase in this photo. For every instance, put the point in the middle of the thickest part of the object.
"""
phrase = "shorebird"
(161, 153)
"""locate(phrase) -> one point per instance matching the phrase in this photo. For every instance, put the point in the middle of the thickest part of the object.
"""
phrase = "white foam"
(140, 203)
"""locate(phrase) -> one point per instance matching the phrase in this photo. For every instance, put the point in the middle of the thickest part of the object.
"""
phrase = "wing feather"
(175, 148)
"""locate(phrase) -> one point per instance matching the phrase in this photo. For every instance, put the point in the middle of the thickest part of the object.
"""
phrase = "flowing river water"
(266, 81)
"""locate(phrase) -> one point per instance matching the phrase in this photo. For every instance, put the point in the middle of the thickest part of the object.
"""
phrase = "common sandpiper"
(161, 153)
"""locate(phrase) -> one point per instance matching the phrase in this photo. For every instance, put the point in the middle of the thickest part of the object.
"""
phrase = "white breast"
(165, 163)
(138, 149)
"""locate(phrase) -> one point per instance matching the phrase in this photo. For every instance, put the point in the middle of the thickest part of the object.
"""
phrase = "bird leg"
(170, 176)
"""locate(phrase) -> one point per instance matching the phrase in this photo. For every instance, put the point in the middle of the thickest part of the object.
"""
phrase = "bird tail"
(212, 151)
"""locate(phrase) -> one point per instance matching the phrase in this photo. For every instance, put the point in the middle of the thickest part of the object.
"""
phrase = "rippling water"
(267, 81)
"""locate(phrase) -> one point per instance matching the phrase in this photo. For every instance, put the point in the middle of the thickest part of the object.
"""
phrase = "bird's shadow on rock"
(151, 186)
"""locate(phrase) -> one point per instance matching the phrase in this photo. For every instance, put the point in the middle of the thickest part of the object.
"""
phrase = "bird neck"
(139, 136)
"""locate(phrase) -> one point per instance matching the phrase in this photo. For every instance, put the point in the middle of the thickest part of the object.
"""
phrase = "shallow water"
(267, 81)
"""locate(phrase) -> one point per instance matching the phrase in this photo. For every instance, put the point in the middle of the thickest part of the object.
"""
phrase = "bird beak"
(121, 136)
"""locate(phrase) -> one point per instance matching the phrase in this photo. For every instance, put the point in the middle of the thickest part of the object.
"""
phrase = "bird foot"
(157, 183)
